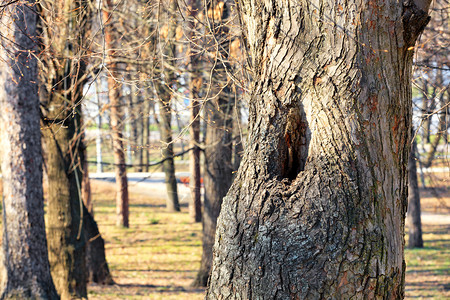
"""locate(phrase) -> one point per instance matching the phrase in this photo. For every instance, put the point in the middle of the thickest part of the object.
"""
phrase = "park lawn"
(156, 258)
(428, 269)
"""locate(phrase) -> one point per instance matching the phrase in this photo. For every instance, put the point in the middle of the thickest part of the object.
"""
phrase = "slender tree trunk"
(86, 184)
(137, 127)
(413, 216)
(140, 139)
(116, 126)
(146, 135)
(442, 125)
(24, 265)
(165, 113)
(165, 109)
(425, 112)
(195, 204)
(317, 208)
(218, 147)
(98, 140)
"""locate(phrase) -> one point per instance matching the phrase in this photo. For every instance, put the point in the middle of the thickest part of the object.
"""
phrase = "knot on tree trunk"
(415, 17)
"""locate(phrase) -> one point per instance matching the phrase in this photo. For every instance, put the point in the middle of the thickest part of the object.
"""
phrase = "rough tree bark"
(218, 165)
(116, 124)
(317, 208)
(165, 109)
(413, 216)
(24, 265)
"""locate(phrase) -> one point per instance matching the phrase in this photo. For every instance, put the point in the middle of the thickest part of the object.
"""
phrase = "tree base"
(201, 280)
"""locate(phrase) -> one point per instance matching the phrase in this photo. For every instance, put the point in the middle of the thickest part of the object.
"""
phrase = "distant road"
(435, 170)
(150, 184)
(156, 177)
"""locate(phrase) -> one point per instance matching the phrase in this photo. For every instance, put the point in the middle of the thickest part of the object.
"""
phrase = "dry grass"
(428, 269)
(156, 258)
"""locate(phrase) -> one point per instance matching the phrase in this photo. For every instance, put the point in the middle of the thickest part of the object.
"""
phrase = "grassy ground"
(428, 269)
(156, 258)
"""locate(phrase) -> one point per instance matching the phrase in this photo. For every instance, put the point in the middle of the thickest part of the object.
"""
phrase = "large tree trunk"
(165, 108)
(116, 124)
(413, 216)
(317, 208)
(24, 265)
(218, 164)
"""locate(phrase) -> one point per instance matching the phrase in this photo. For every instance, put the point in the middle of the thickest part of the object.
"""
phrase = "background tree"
(413, 218)
(431, 67)
(195, 84)
(317, 207)
(218, 114)
(114, 88)
(164, 89)
(25, 270)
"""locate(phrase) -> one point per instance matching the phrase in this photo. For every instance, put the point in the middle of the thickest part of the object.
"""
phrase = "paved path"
(151, 184)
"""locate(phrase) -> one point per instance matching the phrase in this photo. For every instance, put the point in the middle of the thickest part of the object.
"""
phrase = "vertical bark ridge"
(331, 86)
